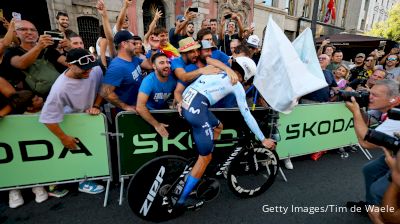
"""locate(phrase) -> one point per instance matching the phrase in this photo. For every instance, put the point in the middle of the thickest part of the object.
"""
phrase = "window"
(289, 7)
(89, 30)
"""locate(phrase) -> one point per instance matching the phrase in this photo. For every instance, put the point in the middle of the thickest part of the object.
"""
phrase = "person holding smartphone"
(226, 36)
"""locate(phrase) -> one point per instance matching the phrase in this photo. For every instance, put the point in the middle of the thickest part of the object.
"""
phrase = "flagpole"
(314, 18)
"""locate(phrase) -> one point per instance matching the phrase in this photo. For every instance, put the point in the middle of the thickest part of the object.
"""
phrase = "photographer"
(384, 95)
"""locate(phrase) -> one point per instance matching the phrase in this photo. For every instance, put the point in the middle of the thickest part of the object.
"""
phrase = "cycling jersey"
(205, 92)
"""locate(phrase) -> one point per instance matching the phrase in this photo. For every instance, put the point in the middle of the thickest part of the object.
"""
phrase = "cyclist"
(197, 98)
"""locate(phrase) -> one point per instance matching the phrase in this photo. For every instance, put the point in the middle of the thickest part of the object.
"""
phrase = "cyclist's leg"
(214, 122)
(203, 134)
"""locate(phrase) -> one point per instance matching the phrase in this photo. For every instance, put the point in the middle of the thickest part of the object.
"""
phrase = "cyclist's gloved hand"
(269, 143)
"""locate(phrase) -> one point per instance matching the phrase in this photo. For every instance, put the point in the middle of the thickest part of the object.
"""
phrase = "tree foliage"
(389, 28)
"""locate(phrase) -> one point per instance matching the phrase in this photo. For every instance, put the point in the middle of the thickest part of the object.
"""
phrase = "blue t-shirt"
(126, 77)
(220, 56)
(158, 92)
(177, 63)
(323, 95)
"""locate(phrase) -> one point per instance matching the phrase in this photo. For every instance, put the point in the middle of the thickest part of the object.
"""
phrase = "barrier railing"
(30, 155)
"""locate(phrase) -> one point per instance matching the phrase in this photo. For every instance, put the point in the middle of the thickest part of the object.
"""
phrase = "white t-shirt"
(98, 48)
(68, 95)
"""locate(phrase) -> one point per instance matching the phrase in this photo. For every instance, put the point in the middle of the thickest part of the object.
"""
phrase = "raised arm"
(240, 24)
(152, 26)
(106, 26)
(122, 14)
(108, 92)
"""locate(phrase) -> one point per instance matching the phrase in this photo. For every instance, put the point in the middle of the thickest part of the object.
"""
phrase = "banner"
(315, 127)
(281, 76)
(308, 129)
(30, 154)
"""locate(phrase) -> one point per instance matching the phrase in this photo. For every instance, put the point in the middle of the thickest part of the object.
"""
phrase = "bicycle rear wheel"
(252, 171)
(149, 185)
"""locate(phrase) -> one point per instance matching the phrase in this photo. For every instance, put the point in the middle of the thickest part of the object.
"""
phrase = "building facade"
(293, 16)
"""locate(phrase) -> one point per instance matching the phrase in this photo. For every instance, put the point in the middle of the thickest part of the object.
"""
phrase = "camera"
(394, 114)
(382, 139)
(193, 10)
(362, 96)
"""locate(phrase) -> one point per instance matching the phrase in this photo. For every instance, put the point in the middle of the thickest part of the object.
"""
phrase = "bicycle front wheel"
(149, 185)
(253, 171)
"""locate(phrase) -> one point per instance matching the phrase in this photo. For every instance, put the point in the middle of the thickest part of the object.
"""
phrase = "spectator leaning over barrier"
(384, 95)
(155, 91)
(124, 75)
(392, 67)
(33, 48)
(75, 91)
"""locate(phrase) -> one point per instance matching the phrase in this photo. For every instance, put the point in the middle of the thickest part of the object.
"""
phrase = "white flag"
(281, 76)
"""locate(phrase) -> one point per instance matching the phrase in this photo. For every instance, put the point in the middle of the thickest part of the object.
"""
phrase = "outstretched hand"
(269, 143)
(161, 129)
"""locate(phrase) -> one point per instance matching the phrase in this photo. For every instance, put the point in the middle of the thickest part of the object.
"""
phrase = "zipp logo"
(194, 111)
(153, 192)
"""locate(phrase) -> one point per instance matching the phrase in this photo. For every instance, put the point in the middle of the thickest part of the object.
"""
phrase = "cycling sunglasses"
(84, 60)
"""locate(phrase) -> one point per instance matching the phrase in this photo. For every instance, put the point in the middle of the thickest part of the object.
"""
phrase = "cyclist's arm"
(245, 111)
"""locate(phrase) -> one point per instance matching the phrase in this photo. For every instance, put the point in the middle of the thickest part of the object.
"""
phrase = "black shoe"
(191, 204)
(359, 207)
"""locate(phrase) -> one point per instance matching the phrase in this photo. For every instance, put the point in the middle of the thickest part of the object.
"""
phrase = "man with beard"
(62, 22)
(155, 91)
(124, 75)
(190, 29)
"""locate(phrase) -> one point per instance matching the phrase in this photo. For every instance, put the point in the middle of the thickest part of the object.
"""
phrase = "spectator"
(122, 22)
(139, 51)
(164, 45)
(253, 44)
(241, 51)
(214, 31)
(384, 95)
(32, 56)
(359, 84)
(391, 66)
(206, 34)
(75, 91)
(341, 74)
(226, 38)
(179, 32)
(336, 60)
(149, 35)
(124, 75)
(103, 49)
(233, 44)
(205, 24)
(155, 91)
(358, 70)
(190, 29)
(326, 48)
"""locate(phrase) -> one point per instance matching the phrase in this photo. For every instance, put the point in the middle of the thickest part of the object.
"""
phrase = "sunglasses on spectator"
(369, 60)
(392, 59)
(84, 60)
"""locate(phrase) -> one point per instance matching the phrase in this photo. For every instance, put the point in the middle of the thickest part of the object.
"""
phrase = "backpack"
(41, 75)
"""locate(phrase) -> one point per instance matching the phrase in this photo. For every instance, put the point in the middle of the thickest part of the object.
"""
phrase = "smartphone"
(228, 16)
(16, 16)
(1, 13)
(55, 35)
(193, 9)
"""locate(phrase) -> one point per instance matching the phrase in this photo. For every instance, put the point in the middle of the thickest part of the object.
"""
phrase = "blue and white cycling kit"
(205, 92)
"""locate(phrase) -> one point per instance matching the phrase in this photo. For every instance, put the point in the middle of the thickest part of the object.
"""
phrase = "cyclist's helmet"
(245, 66)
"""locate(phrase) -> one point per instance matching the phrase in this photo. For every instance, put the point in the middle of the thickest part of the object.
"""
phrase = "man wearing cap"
(179, 32)
(359, 71)
(124, 75)
(155, 90)
(252, 43)
(74, 91)
(188, 48)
